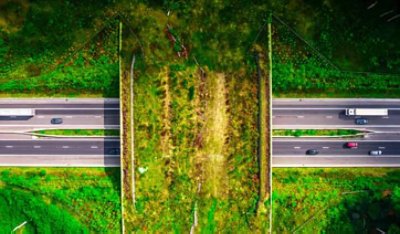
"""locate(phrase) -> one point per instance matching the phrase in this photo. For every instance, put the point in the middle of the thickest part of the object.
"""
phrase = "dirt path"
(166, 118)
(215, 136)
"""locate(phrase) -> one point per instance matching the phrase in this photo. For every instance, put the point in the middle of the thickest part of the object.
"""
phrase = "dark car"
(312, 152)
(56, 121)
(114, 151)
(361, 121)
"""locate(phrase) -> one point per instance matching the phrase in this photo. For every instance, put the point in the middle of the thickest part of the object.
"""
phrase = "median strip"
(77, 132)
(317, 133)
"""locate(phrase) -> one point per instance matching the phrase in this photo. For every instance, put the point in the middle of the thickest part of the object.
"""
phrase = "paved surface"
(76, 113)
(60, 152)
(56, 147)
(333, 153)
(100, 113)
(60, 161)
(328, 113)
(20, 149)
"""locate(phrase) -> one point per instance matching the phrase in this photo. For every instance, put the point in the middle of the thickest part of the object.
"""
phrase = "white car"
(375, 152)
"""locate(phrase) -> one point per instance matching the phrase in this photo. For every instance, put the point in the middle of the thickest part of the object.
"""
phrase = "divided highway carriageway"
(19, 148)
(383, 133)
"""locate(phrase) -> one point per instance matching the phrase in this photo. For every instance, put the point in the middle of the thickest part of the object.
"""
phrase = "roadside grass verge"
(316, 132)
(309, 66)
(345, 200)
(79, 132)
(67, 200)
(79, 58)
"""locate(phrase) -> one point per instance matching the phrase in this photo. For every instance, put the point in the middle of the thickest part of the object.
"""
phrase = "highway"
(18, 148)
(328, 113)
(24, 150)
(76, 114)
(383, 133)
(60, 152)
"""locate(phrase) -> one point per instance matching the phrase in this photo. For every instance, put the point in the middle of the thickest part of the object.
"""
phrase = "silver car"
(375, 152)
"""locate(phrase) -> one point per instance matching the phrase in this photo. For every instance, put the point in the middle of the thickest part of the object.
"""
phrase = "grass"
(351, 200)
(186, 148)
(79, 58)
(66, 200)
(189, 111)
(79, 132)
(314, 60)
(315, 132)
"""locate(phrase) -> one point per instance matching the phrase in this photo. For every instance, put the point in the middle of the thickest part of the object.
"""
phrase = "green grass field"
(346, 200)
(60, 200)
(57, 49)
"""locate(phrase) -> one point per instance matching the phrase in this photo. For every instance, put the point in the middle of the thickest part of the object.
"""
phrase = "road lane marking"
(68, 117)
(9, 146)
(336, 156)
(349, 125)
(385, 117)
(382, 147)
(36, 146)
(40, 116)
(65, 147)
(77, 108)
(300, 116)
(94, 147)
(329, 117)
(320, 108)
(325, 147)
(297, 147)
(97, 116)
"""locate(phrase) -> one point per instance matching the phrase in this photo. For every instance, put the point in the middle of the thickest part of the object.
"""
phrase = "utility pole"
(270, 115)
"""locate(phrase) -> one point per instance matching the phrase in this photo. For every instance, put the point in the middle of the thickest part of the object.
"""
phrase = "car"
(56, 121)
(375, 152)
(114, 151)
(361, 121)
(312, 152)
(352, 145)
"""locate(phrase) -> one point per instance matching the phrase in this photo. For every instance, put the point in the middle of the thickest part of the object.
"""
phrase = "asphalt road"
(334, 153)
(64, 146)
(292, 113)
(323, 113)
(96, 152)
(59, 161)
(76, 113)
(329, 113)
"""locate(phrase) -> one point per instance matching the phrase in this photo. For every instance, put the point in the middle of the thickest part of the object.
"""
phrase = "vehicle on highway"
(352, 145)
(56, 121)
(375, 152)
(17, 112)
(312, 152)
(361, 121)
(366, 112)
(114, 151)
